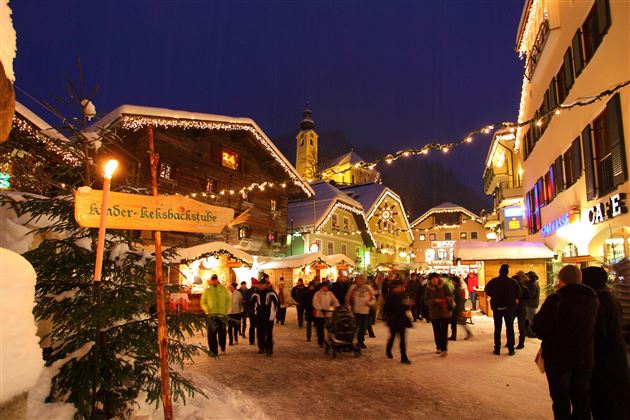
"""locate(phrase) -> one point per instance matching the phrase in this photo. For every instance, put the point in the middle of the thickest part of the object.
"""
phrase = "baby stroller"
(341, 328)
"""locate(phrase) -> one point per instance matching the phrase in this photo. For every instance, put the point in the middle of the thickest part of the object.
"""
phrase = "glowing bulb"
(231, 192)
(193, 195)
(425, 151)
(222, 192)
(445, 149)
(406, 154)
(389, 160)
(110, 168)
(557, 111)
(468, 139)
(539, 123)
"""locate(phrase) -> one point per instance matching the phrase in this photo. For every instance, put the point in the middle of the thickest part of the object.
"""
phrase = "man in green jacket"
(215, 302)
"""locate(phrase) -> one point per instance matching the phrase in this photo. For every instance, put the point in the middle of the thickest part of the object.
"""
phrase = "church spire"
(307, 119)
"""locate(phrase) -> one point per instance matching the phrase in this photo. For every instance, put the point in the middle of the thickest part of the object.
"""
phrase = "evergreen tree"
(127, 360)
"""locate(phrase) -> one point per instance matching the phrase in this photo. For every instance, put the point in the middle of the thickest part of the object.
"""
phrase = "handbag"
(540, 362)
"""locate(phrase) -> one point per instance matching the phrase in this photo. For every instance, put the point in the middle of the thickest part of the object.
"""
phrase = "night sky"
(388, 74)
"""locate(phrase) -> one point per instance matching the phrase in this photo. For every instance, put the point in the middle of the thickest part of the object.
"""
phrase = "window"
(211, 185)
(432, 236)
(473, 235)
(166, 170)
(5, 176)
(318, 242)
(448, 236)
(244, 232)
(558, 177)
(610, 157)
(344, 249)
(229, 159)
(272, 236)
(335, 221)
(564, 78)
(273, 204)
(578, 55)
(357, 251)
(463, 236)
(572, 163)
(422, 237)
(549, 185)
(331, 248)
(346, 224)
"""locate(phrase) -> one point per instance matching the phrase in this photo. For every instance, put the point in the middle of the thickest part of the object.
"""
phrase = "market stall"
(489, 256)
(192, 268)
(339, 263)
(305, 266)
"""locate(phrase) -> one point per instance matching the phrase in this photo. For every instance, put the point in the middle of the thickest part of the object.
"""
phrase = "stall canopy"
(339, 259)
(295, 261)
(210, 249)
(485, 251)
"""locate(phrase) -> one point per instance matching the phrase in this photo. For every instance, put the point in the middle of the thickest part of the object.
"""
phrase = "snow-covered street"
(300, 381)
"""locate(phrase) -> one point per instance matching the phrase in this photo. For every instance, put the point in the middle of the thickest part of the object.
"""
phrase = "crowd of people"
(584, 353)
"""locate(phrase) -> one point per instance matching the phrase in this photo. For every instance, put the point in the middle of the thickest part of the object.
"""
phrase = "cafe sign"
(145, 212)
(442, 244)
(609, 209)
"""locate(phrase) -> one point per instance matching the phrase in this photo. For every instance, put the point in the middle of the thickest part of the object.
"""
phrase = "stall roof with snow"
(134, 117)
(446, 207)
(309, 215)
(339, 259)
(295, 261)
(210, 249)
(486, 251)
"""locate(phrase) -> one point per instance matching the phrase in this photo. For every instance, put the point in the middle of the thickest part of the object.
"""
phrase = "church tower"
(306, 150)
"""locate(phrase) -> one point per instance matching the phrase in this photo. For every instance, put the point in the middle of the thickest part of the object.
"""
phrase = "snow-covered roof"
(347, 158)
(294, 261)
(34, 119)
(446, 207)
(195, 252)
(484, 251)
(134, 117)
(338, 259)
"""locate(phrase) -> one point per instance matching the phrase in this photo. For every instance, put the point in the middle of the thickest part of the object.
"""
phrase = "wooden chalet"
(220, 160)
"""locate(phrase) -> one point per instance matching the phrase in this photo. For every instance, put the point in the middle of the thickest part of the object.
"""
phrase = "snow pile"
(20, 355)
(222, 403)
(36, 407)
(7, 40)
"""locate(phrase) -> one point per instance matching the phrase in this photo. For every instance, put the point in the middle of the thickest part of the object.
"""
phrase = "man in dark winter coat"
(265, 305)
(610, 385)
(566, 326)
(340, 287)
(504, 293)
(249, 310)
(297, 294)
(521, 309)
(307, 303)
(394, 310)
(533, 302)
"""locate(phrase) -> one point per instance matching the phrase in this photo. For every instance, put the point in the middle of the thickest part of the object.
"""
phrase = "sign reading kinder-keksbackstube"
(145, 212)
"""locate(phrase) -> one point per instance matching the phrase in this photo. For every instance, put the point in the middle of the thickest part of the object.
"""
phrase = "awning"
(295, 261)
(210, 249)
(485, 251)
(336, 260)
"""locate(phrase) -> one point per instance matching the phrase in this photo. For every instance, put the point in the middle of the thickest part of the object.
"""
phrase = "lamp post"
(110, 168)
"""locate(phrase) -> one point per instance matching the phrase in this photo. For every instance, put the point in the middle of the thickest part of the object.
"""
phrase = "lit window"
(432, 236)
(463, 235)
(272, 204)
(331, 248)
(344, 249)
(229, 159)
(5, 176)
(346, 223)
(335, 220)
(211, 185)
(244, 232)
(166, 170)
(357, 251)
(271, 237)
(422, 237)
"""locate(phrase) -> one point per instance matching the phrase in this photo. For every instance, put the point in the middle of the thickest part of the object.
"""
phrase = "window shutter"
(568, 72)
(589, 169)
(614, 126)
(576, 159)
(528, 211)
(559, 177)
(603, 17)
(578, 56)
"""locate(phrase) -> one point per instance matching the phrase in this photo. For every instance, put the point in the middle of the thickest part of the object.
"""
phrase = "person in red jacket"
(472, 281)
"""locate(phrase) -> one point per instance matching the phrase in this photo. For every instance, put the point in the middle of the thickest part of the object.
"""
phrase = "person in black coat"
(566, 326)
(521, 308)
(610, 386)
(394, 310)
(307, 304)
(297, 294)
(504, 293)
(534, 301)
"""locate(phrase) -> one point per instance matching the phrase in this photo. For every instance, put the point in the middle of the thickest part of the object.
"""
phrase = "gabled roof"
(34, 119)
(351, 157)
(446, 207)
(310, 214)
(134, 117)
(504, 250)
(371, 195)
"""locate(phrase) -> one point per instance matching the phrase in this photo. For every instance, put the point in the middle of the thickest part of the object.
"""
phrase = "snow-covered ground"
(300, 382)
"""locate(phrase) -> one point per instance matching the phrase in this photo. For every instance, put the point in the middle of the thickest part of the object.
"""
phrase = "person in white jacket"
(235, 313)
(323, 301)
(360, 298)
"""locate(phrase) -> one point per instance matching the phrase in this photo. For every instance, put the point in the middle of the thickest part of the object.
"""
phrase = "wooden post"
(159, 279)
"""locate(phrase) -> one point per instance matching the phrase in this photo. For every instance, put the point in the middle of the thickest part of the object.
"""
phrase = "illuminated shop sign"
(609, 209)
(442, 244)
(513, 218)
(556, 224)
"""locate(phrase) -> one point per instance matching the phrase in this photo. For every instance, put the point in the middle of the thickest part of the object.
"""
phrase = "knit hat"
(594, 277)
(570, 274)
(532, 276)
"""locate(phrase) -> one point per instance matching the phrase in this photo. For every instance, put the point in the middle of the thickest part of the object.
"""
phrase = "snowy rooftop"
(484, 251)
(34, 119)
(351, 157)
(312, 212)
(367, 194)
(294, 261)
(118, 114)
(194, 252)
(444, 208)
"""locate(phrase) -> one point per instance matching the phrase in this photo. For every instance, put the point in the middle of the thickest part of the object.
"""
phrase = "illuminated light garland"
(216, 253)
(486, 129)
(25, 127)
(138, 122)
